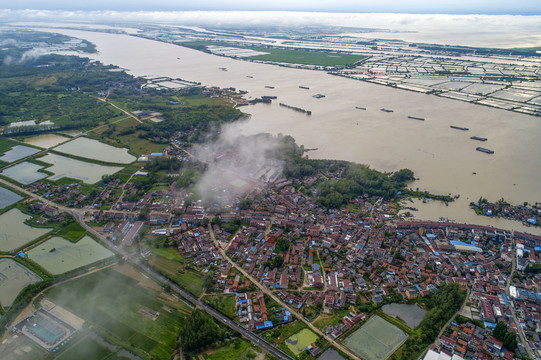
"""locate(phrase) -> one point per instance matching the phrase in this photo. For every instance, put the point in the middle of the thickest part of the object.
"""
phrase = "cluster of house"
(253, 312)
(68, 195)
(527, 214)
(469, 341)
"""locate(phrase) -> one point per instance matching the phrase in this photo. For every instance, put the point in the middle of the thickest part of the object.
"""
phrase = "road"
(279, 301)
(507, 286)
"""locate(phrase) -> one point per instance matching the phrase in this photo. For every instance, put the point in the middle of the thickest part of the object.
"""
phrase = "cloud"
(236, 164)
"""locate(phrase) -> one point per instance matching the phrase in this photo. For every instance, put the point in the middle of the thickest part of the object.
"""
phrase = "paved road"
(507, 286)
(279, 301)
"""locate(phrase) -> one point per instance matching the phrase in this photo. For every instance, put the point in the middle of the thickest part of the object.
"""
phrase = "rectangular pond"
(13, 278)
(93, 149)
(14, 233)
(411, 314)
(377, 339)
(58, 255)
(25, 172)
(8, 197)
(18, 152)
(66, 167)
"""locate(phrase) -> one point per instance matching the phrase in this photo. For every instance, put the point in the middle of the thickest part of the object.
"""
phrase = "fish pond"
(410, 314)
(66, 167)
(13, 278)
(18, 152)
(14, 233)
(93, 149)
(25, 172)
(58, 255)
(46, 141)
(8, 197)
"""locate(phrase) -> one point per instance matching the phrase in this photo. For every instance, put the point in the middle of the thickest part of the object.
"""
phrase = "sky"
(490, 7)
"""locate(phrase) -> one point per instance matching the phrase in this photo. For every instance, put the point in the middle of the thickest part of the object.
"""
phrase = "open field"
(6, 144)
(58, 255)
(111, 302)
(8, 197)
(93, 149)
(173, 265)
(298, 342)
(377, 339)
(14, 233)
(63, 166)
(13, 278)
(73, 231)
(25, 172)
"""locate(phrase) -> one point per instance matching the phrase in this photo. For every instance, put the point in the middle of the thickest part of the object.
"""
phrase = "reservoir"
(443, 159)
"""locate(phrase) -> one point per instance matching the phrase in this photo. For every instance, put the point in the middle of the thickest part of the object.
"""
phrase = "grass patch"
(6, 144)
(232, 350)
(223, 303)
(174, 268)
(87, 349)
(298, 342)
(73, 231)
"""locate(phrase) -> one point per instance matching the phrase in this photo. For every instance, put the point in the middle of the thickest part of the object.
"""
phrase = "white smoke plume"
(236, 164)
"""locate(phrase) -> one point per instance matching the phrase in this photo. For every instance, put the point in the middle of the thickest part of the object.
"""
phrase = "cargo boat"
(318, 96)
(386, 110)
(249, 76)
(416, 118)
(478, 138)
(459, 128)
(269, 87)
(360, 108)
(304, 87)
(488, 151)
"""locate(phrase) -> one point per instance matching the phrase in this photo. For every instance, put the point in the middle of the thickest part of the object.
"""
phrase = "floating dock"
(416, 118)
(478, 138)
(459, 128)
(482, 149)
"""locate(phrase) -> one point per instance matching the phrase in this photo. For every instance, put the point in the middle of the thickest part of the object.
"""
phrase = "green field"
(110, 302)
(298, 342)
(73, 231)
(172, 264)
(223, 303)
(294, 56)
(377, 339)
(232, 350)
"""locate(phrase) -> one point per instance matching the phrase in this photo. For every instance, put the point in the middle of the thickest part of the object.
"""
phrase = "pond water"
(93, 149)
(18, 152)
(46, 141)
(76, 169)
(58, 255)
(8, 197)
(412, 314)
(13, 278)
(14, 233)
(25, 172)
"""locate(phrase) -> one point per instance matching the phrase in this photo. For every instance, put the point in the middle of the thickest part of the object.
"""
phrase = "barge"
(482, 149)
(459, 128)
(304, 87)
(269, 87)
(360, 108)
(386, 110)
(478, 138)
(416, 118)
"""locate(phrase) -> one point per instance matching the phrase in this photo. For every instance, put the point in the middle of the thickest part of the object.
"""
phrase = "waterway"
(443, 159)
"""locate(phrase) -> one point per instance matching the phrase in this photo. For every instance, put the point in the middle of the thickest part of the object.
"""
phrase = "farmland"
(113, 303)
